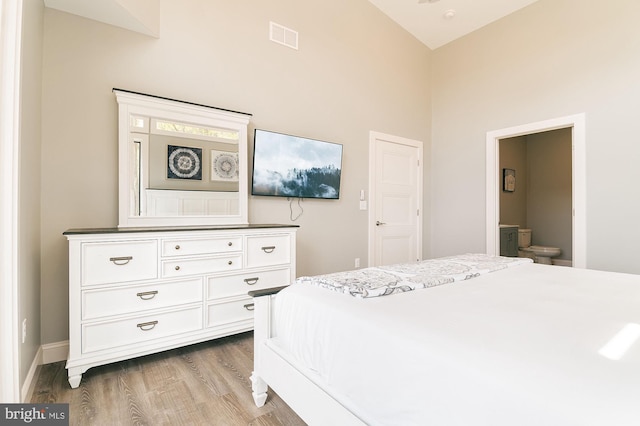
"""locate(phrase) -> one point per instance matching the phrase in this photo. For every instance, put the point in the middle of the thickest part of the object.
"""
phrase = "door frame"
(10, 51)
(374, 137)
(578, 181)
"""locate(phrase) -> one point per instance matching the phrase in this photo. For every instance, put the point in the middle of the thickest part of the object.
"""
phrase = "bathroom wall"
(549, 200)
(513, 205)
(542, 200)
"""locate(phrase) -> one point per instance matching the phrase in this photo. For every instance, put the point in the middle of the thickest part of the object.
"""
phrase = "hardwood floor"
(203, 384)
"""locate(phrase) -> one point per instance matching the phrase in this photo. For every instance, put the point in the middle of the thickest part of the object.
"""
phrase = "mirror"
(180, 163)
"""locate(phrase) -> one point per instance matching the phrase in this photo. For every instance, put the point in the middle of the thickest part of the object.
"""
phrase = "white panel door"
(396, 197)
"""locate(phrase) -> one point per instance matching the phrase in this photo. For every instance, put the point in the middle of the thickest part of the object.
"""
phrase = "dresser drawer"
(241, 284)
(131, 299)
(229, 312)
(268, 250)
(108, 335)
(205, 265)
(196, 246)
(112, 262)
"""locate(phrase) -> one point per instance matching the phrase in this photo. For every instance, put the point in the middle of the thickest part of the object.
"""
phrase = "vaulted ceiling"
(437, 22)
(433, 22)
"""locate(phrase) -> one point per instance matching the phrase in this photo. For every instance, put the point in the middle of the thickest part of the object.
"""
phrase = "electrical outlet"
(357, 262)
(24, 330)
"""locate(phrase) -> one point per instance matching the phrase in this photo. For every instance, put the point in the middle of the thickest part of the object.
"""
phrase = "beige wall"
(355, 71)
(29, 183)
(552, 59)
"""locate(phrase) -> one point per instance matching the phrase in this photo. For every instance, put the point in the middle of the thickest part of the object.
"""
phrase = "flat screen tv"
(293, 166)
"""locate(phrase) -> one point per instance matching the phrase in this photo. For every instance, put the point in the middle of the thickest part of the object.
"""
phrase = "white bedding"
(516, 347)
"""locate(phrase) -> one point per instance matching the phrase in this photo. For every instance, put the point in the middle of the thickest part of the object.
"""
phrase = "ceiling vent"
(283, 35)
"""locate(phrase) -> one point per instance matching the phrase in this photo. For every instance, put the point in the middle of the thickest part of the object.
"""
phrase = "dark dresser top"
(80, 231)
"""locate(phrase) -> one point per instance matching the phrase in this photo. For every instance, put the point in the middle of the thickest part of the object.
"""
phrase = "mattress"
(518, 346)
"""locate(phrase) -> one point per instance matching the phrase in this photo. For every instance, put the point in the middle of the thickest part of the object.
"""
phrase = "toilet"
(540, 254)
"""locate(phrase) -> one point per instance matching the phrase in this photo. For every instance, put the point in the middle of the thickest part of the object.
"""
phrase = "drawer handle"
(230, 262)
(251, 281)
(230, 243)
(177, 246)
(147, 295)
(146, 326)
(249, 306)
(121, 260)
(268, 249)
(177, 267)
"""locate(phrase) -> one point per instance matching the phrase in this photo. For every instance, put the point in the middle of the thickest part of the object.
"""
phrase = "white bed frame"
(275, 369)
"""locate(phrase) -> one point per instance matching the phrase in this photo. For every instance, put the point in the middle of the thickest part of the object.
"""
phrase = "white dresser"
(134, 292)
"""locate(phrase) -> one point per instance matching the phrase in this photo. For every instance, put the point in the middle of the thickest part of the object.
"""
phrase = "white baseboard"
(54, 352)
(51, 352)
(29, 381)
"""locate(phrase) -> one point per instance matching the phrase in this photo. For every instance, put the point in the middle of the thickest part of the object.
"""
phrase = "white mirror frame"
(141, 105)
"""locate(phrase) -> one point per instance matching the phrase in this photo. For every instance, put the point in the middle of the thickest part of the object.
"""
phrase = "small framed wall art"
(184, 162)
(224, 166)
(508, 180)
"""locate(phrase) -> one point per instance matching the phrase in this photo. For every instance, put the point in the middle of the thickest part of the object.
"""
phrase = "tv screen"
(292, 166)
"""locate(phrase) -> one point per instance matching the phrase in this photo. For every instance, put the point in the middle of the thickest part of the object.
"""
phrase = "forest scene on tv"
(291, 166)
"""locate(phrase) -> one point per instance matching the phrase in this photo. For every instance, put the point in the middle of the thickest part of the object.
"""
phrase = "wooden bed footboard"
(275, 369)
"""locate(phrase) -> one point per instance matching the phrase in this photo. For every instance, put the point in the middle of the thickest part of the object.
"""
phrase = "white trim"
(373, 138)
(10, 41)
(579, 187)
(46, 354)
(30, 381)
(55, 352)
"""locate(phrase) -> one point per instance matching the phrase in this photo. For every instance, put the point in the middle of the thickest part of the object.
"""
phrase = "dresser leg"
(74, 379)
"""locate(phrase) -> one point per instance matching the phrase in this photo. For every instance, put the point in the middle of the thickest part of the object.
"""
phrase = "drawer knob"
(146, 326)
(177, 267)
(123, 260)
(147, 295)
(230, 262)
(177, 246)
(249, 306)
(251, 281)
(230, 243)
(268, 249)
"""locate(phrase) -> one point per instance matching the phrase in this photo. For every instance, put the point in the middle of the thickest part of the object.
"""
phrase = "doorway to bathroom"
(535, 191)
(536, 179)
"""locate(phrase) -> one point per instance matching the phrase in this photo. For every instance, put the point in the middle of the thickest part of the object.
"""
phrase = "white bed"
(525, 345)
